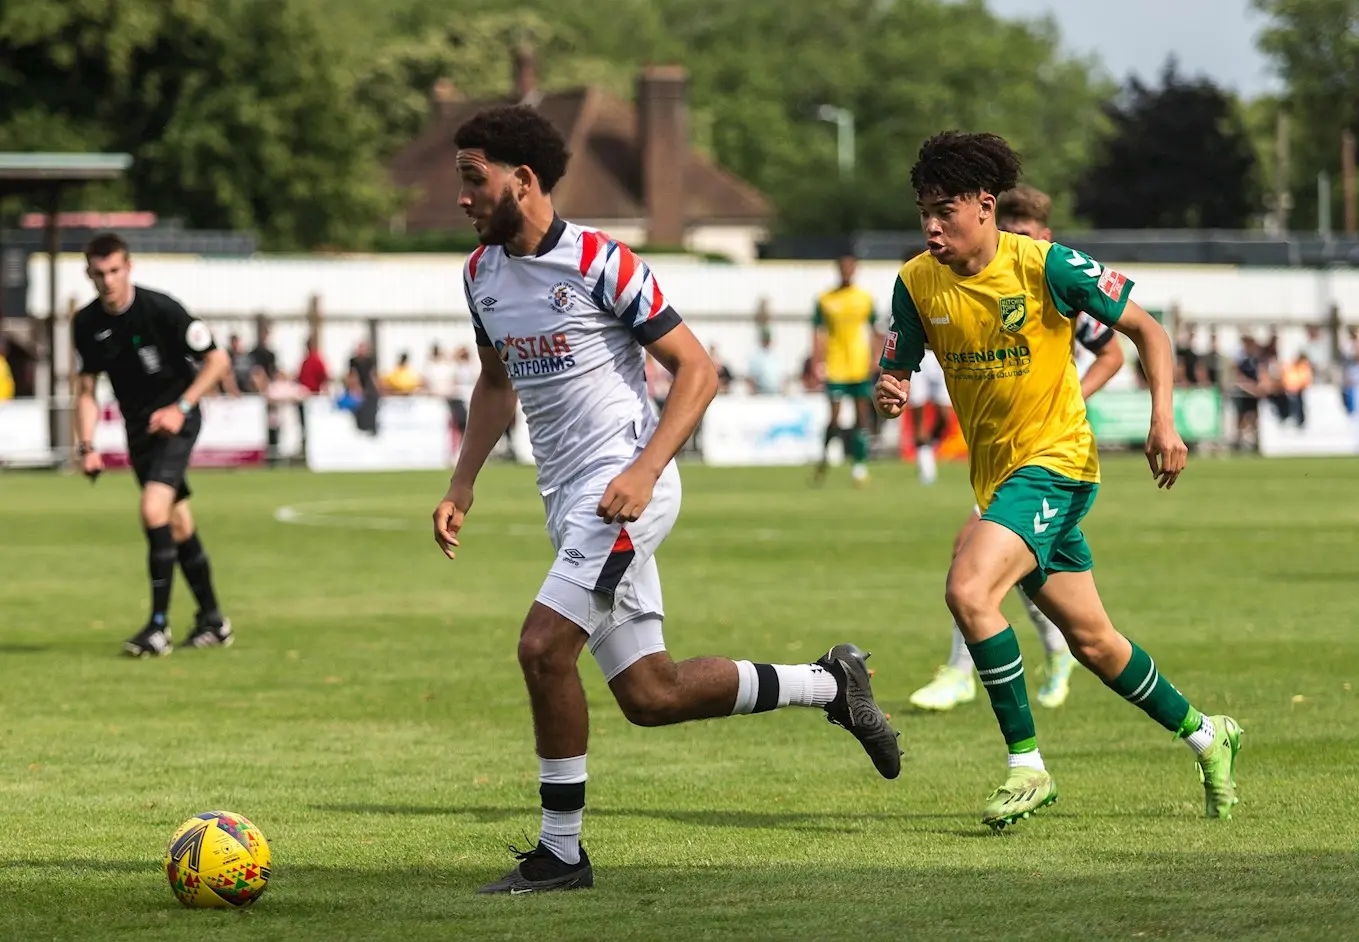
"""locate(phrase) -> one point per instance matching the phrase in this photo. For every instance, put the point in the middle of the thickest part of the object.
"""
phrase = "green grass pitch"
(372, 721)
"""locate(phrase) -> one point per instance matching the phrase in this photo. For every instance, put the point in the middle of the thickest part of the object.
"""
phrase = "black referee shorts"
(165, 458)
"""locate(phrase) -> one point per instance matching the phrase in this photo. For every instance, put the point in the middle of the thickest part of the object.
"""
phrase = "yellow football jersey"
(847, 316)
(1003, 338)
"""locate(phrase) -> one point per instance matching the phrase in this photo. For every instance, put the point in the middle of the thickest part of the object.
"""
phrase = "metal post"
(1324, 205)
(843, 119)
(58, 423)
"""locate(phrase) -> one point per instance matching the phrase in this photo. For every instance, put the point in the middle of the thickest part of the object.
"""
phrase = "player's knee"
(968, 595)
(155, 513)
(649, 706)
(549, 645)
(1096, 649)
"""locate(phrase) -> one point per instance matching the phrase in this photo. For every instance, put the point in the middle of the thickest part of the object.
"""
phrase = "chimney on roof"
(663, 139)
(443, 96)
(526, 75)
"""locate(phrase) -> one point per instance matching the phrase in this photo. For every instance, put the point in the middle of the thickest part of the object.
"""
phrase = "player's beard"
(505, 222)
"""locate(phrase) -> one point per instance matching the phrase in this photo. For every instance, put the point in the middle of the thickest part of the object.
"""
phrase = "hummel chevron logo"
(1077, 260)
(1048, 513)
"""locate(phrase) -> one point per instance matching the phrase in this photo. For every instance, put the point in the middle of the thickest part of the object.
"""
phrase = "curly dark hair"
(955, 163)
(517, 135)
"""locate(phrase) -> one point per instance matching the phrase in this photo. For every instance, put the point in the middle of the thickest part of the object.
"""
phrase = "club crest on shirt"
(561, 296)
(1013, 312)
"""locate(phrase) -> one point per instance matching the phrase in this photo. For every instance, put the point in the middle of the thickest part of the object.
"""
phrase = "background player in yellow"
(845, 327)
(1025, 210)
(998, 309)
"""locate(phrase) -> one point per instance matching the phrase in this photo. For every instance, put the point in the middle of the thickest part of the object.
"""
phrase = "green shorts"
(1045, 509)
(860, 390)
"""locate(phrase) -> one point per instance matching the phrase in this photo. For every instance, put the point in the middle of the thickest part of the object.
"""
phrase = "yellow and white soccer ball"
(217, 859)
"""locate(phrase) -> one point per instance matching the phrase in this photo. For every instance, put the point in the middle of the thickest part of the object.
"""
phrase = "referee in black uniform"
(161, 362)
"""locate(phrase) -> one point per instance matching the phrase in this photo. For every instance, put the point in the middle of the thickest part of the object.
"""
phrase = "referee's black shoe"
(151, 641)
(211, 630)
(540, 871)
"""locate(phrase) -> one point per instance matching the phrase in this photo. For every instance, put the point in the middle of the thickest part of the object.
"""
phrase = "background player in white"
(1024, 210)
(929, 387)
(564, 317)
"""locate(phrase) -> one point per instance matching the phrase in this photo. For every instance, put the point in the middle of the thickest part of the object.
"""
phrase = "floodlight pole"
(843, 119)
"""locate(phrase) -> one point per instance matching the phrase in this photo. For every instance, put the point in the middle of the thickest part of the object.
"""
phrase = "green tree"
(906, 69)
(1179, 156)
(236, 112)
(1314, 45)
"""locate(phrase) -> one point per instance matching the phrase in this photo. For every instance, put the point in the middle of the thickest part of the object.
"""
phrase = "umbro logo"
(488, 303)
(573, 556)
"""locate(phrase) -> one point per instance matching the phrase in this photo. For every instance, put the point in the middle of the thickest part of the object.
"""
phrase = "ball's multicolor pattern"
(217, 859)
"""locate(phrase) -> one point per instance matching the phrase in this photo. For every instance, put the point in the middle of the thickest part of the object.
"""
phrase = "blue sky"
(1212, 37)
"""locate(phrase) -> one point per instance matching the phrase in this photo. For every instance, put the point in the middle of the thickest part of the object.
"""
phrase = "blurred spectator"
(313, 375)
(6, 374)
(1246, 389)
(1186, 359)
(441, 379)
(765, 373)
(241, 379)
(263, 363)
(312, 379)
(1318, 351)
(724, 376)
(1210, 364)
(361, 389)
(465, 373)
(1349, 379)
(1296, 377)
(404, 380)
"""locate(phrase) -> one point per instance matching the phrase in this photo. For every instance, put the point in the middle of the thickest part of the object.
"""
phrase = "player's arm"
(902, 351)
(1108, 360)
(194, 339)
(693, 387)
(820, 338)
(1079, 283)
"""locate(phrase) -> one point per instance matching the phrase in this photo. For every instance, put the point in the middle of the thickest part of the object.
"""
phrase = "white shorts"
(604, 578)
(928, 384)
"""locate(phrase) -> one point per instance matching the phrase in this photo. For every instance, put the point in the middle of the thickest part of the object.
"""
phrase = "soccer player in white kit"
(564, 317)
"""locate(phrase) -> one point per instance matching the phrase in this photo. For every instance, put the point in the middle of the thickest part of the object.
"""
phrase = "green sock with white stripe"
(1001, 669)
(1142, 685)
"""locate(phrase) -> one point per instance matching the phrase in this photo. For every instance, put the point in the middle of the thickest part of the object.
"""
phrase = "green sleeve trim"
(1078, 283)
(905, 345)
(818, 320)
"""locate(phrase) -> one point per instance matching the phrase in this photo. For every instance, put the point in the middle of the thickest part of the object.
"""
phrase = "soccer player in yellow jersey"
(997, 309)
(1025, 210)
(845, 326)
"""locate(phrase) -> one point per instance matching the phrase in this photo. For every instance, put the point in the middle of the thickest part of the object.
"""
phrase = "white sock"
(1200, 739)
(960, 657)
(1030, 760)
(1054, 642)
(562, 783)
(763, 687)
(924, 456)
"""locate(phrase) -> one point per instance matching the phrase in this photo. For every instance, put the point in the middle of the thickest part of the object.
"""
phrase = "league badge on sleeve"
(198, 337)
(889, 347)
(1111, 284)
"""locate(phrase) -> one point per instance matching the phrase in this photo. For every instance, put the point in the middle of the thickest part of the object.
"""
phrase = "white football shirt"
(570, 323)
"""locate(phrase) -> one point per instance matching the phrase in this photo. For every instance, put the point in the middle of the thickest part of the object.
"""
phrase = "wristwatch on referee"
(84, 448)
(185, 406)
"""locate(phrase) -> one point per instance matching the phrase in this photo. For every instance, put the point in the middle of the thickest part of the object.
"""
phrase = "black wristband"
(84, 448)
